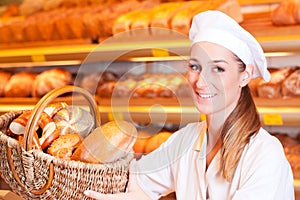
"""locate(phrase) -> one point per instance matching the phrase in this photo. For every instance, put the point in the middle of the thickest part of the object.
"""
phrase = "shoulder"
(264, 151)
(188, 134)
(265, 143)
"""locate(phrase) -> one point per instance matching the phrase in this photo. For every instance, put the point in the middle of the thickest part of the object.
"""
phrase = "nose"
(202, 81)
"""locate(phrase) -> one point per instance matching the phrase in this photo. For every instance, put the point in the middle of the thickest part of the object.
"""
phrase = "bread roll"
(107, 143)
(73, 119)
(139, 18)
(155, 141)
(272, 89)
(294, 160)
(10, 11)
(20, 85)
(17, 28)
(253, 84)
(297, 11)
(291, 86)
(4, 79)
(64, 146)
(123, 23)
(106, 89)
(95, 80)
(284, 13)
(182, 20)
(49, 80)
(124, 88)
(31, 28)
(164, 13)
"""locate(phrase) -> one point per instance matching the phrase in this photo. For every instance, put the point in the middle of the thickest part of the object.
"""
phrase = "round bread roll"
(73, 119)
(20, 85)
(107, 143)
(155, 141)
(140, 143)
(49, 80)
(4, 79)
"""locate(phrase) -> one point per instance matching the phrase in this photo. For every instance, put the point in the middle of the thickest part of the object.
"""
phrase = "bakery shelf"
(123, 51)
(279, 112)
(141, 43)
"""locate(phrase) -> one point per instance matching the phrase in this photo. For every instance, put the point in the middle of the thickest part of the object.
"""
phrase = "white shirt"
(262, 173)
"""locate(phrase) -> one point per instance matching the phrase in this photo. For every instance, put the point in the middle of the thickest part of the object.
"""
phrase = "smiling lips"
(206, 95)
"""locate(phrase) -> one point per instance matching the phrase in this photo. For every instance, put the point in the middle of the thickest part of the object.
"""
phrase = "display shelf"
(141, 43)
(125, 51)
(169, 110)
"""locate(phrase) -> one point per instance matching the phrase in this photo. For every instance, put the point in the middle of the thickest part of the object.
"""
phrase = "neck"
(214, 128)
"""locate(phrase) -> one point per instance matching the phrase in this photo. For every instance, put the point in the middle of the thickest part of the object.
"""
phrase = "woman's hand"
(134, 191)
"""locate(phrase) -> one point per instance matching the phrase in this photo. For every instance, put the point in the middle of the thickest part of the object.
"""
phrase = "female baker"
(229, 155)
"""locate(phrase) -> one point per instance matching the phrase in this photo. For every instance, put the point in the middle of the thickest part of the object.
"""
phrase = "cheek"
(231, 89)
(192, 78)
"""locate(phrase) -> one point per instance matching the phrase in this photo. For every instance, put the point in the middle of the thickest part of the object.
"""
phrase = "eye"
(218, 69)
(196, 68)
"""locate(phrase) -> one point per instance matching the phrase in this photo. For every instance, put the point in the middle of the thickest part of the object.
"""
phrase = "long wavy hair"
(237, 130)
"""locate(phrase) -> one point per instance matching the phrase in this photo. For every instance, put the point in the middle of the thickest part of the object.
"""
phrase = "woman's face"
(215, 77)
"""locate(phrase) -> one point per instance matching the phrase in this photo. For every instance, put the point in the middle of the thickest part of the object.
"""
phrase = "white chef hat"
(217, 27)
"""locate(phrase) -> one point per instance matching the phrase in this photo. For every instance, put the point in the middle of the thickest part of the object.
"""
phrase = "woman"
(228, 156)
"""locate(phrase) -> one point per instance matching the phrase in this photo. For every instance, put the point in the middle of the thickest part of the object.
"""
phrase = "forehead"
(210, 51)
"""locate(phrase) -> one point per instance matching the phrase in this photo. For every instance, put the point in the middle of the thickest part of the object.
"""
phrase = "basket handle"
(48, 98)
(17, 178)
(30, 128)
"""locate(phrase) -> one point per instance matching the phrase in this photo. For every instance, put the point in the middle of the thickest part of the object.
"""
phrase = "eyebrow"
(213, 61)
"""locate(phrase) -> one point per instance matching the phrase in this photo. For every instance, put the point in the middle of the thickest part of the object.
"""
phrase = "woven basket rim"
(14, 143)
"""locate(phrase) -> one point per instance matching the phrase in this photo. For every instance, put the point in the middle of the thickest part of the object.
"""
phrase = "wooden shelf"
(168, 110)
(140, 43)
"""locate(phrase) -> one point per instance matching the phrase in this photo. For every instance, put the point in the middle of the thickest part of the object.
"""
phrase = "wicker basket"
(33, 174)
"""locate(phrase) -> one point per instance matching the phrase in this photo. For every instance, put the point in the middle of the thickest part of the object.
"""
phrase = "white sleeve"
(265, 174)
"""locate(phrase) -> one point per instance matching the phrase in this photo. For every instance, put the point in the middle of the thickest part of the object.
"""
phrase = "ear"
(246, 75)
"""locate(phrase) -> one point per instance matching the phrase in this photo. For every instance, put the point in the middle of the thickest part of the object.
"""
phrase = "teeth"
(206, 96)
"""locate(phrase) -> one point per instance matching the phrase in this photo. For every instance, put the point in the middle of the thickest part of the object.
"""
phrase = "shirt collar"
(202, 132)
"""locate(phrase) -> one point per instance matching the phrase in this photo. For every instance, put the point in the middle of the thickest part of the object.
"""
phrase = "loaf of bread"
(139, 18)
(182, 20)
(49, 80)
(286, 13)
(272, 89)
(20, 85)
(163, 14)
(107, 143)
(291, 85)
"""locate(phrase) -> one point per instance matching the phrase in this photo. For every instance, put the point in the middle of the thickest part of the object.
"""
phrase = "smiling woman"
(228, 155)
